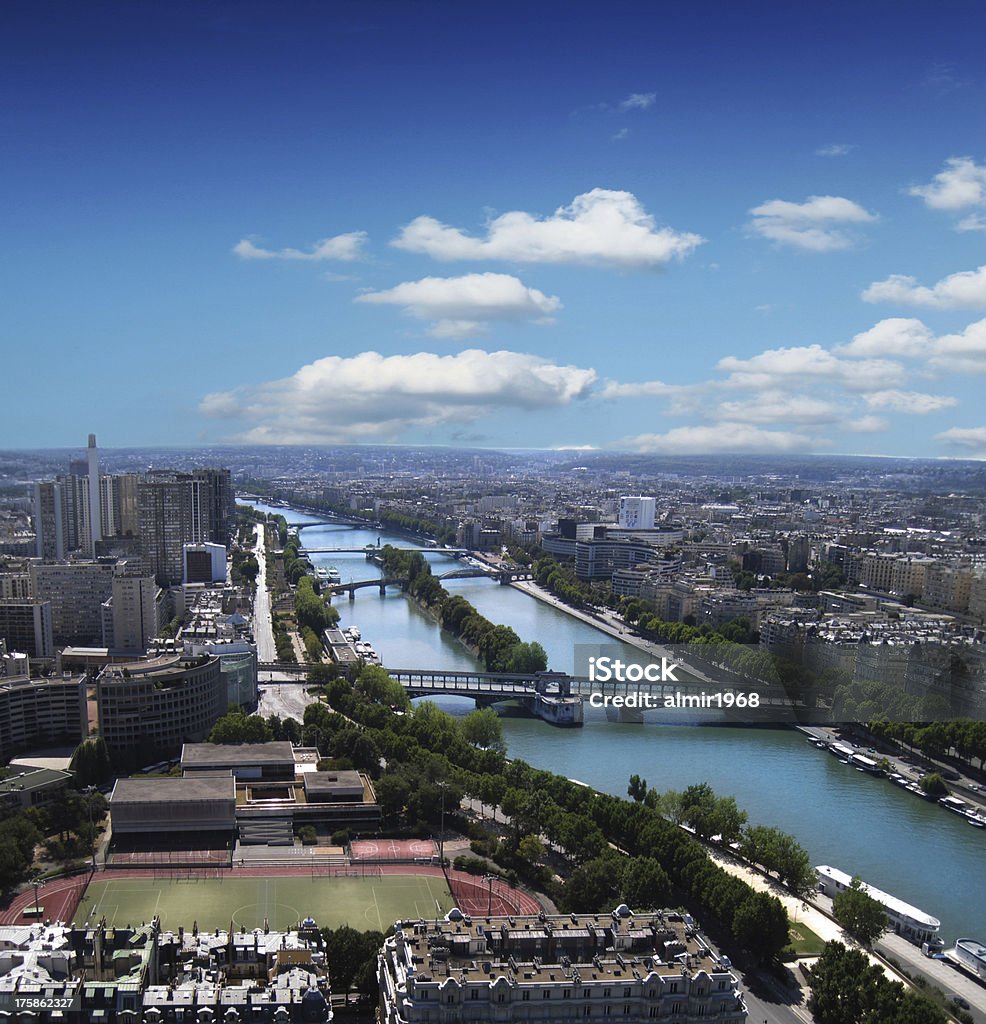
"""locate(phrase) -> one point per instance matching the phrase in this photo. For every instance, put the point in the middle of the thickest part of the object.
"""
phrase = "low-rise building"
(634, 967)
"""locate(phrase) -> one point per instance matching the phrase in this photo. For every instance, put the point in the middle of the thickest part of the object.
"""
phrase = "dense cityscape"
(188, 701)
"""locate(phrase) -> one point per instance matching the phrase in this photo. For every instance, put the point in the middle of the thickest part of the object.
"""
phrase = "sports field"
(363, 903)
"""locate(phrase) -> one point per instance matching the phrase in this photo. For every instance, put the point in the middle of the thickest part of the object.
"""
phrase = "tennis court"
(212, 902)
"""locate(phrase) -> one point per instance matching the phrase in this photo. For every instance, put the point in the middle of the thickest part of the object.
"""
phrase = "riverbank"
(606, 622)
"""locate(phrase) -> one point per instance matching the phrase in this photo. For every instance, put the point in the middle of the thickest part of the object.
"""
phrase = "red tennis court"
(408, 850)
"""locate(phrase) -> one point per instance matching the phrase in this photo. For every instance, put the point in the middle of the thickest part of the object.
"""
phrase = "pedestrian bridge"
(491, 687)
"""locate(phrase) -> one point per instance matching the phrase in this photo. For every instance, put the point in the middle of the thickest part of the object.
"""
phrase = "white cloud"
(836, 149)
(720, 438)
(895, 336)
(970, 440)
(961, 184)
(964, 290)
(375, 397)
(623, 133)
(808, 363)
(974, 222)
(462, 305)
(599, 227)
(964, 352)
(867, 425)
(816, 224)
(915, 402)
(346, 247)
(649, 388)
(639, 101)
(779, 407)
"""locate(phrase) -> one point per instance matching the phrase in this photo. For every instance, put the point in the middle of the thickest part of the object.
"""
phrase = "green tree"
(91, 762)
(645, 884)
(483, 728)
(526, 658)
(531, 848)
(593, 886)
(236, 727)
(861, 915)
(934, 784)
(760, 925)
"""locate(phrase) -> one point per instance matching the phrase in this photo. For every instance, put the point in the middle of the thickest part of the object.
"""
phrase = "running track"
(61, 896)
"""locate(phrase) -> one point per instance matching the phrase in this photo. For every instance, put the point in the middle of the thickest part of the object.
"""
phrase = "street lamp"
(92, 836)
(38, 882)
(441, 835)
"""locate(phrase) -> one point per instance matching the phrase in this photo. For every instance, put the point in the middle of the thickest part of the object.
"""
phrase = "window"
(546, 993)
(525, 995)
(605, 993)
(586, 1010)
(474, 994)
(450, 998)
(626, 992)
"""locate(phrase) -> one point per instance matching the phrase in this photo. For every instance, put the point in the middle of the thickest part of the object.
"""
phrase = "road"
(283, 701)
(263, 630)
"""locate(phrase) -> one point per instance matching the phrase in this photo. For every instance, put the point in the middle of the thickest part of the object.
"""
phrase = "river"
(856, 822)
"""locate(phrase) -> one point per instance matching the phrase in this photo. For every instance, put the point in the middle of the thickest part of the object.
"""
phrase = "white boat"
(905, 920)
(956, 806)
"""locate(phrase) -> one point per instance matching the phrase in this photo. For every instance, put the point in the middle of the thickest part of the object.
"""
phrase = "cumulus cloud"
(639, 101)
(836, 149)
(895, 336)
(867, 425)
(346, 247)
(375, 397)
(461, 306)
(599, 227)
(817, 225)
(969, 440)
(964, 352)
(961, 184)
(964, 290)
(719, 438)
(779, 407)
(810, 363)
(916, 402)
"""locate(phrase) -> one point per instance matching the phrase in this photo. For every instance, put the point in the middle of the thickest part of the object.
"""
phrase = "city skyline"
(678, 231)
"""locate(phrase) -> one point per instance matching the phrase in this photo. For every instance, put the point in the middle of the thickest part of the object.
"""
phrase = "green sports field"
(363, 903)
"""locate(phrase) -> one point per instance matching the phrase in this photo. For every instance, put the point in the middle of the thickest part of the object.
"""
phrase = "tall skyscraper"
(95, 512)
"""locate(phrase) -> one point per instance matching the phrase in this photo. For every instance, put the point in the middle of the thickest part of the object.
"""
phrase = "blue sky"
(679, 228)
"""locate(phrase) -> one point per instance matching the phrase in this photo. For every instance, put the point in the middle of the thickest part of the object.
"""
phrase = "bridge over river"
(543, 690)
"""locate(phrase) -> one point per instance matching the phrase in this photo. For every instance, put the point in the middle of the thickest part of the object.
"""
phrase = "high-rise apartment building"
(135, 610)
(637, 513)
(75, 591)
(49, 520)
(26, 626)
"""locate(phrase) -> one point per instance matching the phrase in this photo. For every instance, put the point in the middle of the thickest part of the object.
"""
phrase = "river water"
(861, 824)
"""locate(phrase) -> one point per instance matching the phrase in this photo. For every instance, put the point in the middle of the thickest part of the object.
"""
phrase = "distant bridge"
(488, 572)
(491, 687)
(371, 549)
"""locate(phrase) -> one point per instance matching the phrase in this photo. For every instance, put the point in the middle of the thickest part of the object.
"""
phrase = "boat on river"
(910, 923)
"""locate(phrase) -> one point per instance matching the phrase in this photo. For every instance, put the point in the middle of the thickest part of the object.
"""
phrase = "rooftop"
(167, 790)
(201, 755)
